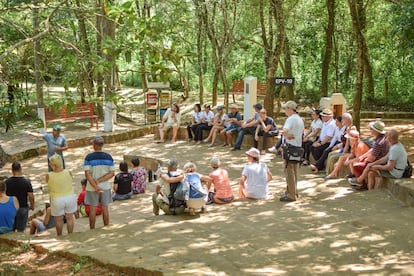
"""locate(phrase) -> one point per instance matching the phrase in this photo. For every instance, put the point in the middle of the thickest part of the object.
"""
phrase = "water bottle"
(150, 175)
(158, 172)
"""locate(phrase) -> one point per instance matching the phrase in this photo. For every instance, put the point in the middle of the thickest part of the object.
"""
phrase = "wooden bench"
(79, 111)
(237, 88)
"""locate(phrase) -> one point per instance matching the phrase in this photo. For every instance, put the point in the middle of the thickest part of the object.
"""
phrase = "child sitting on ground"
(83, 208)
(139, 177)
(122, 188)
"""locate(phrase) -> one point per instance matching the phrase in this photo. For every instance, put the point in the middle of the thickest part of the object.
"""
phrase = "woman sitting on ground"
(223, 193)
(62, 197)
(170, 119)
(8, 209)
(139, 177)
(122, 188)
(255, 176)
(196, 192)
(219, 123)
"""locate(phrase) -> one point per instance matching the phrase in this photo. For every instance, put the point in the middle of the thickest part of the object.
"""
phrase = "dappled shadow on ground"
(331, 229)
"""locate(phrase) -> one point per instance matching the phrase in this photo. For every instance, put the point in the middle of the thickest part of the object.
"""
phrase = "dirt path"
(331, 229)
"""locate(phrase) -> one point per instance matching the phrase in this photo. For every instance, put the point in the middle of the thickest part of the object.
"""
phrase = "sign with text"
(284, 81)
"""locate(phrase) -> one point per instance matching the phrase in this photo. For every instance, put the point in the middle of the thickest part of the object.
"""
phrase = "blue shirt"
(237, 116)
(99, 163)
(53, 142)
(7, 214)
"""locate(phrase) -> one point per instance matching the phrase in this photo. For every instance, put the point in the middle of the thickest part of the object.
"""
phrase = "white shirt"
(337, 136)
(255, 185)
(208, 116)
(198, 116)
(169, 115)
(328, 129)
(294, 126)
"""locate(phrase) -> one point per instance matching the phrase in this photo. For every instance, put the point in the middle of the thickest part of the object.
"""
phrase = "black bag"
(292, 153)
(408, 172)
(174, 198)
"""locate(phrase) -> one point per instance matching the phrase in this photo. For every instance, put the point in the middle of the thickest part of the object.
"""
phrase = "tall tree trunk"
(37, 57)
(108, 34)
(99, 31)
(272, 50)
(200, 54)
(360, 62)
(288, 73)
(88, 69)
(329, 31)
(369, 93)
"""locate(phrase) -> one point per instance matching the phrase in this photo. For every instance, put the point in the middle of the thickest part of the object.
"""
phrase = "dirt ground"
(331, 230)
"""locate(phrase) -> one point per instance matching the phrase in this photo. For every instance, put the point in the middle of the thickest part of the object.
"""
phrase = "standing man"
(56, 143)
(20, 187)
(248, 127)
(292, 132)
(99, 169)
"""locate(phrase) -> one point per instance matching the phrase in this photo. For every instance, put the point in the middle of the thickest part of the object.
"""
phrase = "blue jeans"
(20, 220)
(244, 131)
(121, 197)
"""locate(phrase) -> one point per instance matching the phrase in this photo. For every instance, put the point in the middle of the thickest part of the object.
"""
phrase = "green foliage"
(164, 38)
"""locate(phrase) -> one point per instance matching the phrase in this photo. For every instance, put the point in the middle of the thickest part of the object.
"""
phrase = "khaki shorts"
(93, 198)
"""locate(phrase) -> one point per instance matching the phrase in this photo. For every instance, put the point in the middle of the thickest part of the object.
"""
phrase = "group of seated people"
(221, 125)
(337, 141)
(215, 187)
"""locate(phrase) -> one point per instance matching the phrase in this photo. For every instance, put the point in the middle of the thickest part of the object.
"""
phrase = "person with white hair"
(255, 177)
(220, 180)
(162, 198)
(196, 197)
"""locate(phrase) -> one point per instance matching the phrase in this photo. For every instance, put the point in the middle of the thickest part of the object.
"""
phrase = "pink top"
(221, 182)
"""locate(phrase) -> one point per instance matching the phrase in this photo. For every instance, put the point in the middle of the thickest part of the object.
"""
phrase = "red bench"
(238, 88)
(79, 111)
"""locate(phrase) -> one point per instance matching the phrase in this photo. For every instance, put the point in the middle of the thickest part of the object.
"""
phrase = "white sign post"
(250, 96)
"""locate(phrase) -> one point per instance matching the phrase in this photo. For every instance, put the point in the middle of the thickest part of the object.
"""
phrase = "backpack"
(195, 189)
(176, 198)
(408, 172)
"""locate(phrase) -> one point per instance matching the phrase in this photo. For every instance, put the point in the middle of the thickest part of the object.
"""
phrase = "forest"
(361, 48)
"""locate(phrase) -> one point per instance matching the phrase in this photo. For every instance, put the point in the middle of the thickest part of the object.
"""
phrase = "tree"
(273, 44)
(359, 40)
(329, 34)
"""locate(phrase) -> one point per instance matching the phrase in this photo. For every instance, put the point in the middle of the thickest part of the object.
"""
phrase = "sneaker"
(353, 181)
(350, 175)
(272, 149)
(192, 212)
(286, 198)
(360, 188)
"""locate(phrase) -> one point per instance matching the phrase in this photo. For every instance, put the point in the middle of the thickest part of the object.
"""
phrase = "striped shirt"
(99, 163)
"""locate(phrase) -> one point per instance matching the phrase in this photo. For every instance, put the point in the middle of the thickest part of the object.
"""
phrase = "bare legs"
(174, 136)
(70, 224)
